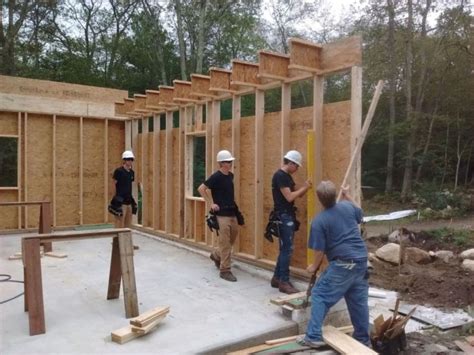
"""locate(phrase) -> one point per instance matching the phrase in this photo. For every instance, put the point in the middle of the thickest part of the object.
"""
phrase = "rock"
(435, 349)
(401, 234)
(389, 252)
(371, 256)
(467, 254)
(468, 264)
(417, 255)
(445, 255)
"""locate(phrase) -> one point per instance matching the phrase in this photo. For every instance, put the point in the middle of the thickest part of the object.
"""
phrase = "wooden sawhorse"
(44, 226)
(121, 268)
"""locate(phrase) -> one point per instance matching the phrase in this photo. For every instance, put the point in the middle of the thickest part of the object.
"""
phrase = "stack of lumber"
(141, 325)
(388, 335)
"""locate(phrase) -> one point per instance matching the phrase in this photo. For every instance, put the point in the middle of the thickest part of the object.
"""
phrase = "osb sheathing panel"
(162, 179)
(176, 221)
(300, 123)
(151, 187)
(336, 156)
(116, 145)
(8, 214)
(272, 162)
(225, 136)
(8, 123)
(39, 153)
(337, 132)
(247, 184)
(93, 171)
(137, 166)
(67, 171)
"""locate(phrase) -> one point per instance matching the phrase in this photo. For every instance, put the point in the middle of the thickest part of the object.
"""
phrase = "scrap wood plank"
(470, 340)
(279, 301)
(344, 343)
(124, 335)
(54, 254)
(149, 316)
(149, 327)
(465, 347)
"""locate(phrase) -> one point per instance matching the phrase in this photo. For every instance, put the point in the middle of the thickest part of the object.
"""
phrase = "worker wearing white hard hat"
(123, 205)
(284, 196)
(218, 191)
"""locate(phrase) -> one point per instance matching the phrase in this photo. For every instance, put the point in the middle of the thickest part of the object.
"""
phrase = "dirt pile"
(438, 283)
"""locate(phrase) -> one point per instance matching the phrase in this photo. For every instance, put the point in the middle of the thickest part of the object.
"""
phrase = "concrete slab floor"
(206, 312)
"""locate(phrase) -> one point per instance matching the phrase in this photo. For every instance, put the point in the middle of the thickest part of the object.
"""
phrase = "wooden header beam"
(273, 65)
(120, 109)
(245, 73)
(305, 55)
(182, 92)
(220, 81)
(166, 96)
(200, 85)
(140, 103)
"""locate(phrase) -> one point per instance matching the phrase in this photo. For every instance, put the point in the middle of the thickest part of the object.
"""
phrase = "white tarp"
(390, 216)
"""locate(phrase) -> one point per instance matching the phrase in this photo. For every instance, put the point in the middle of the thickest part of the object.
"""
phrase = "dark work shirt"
(280, 180)
(123, 185)
(222, 189)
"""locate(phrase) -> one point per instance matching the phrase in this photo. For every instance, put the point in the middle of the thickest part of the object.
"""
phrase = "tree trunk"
(468, 165)
(182, 47)
(200, 47)
(392, 84)
(407, 177)
(427, 144)
(445, 157)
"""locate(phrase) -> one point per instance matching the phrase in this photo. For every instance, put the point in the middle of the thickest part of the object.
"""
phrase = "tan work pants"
(125, 221)
(228, 229)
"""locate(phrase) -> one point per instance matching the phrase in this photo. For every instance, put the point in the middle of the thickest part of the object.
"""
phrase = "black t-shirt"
(123, 186)
(222, 189)
(280, 180)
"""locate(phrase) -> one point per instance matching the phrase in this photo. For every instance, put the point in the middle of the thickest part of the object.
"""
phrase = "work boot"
(287, 288)
(217, 262)
(302, 340)
(228, 276)
(275, 283)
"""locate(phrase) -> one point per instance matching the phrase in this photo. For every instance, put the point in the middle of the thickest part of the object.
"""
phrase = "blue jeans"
(341, 279)
(287, 231)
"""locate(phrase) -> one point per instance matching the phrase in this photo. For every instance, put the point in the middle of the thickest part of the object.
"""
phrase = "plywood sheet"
(39, 161)
(176, 220)
(300, 123)
(58, 90)
(225, 136)
(93, 171)
(336, 140)
(149, 180)
(8, 214)
(67, 171)
(8, 123)
(247, 184)
(137, 167)
(162, 186)
(272, 162)
(116, 146)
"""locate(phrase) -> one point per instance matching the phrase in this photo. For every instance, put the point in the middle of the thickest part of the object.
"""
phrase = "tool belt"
(212, 223)
(273, 226)
(274, 222)
(115, 206)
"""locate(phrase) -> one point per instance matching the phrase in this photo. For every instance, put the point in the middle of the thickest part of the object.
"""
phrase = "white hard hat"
(294, 156)
(128, 154)
(224, 155)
